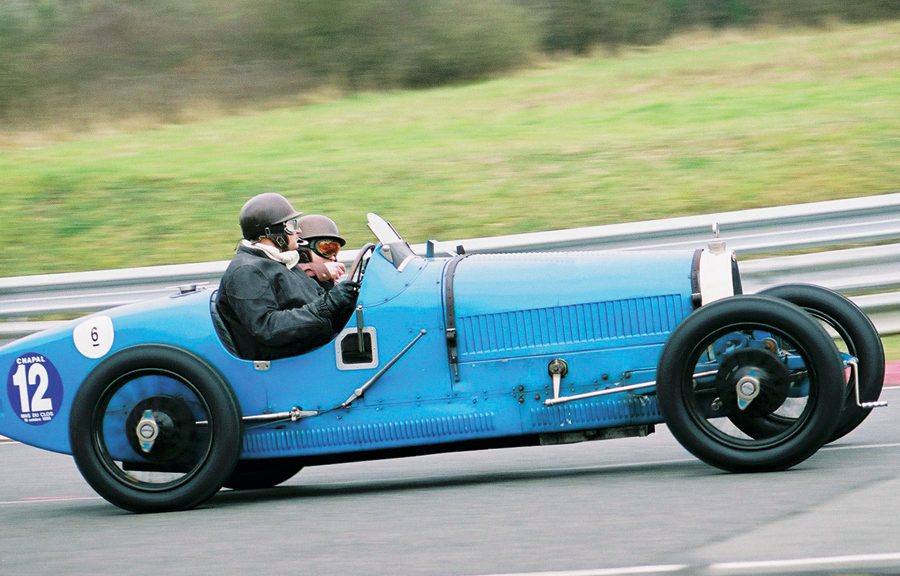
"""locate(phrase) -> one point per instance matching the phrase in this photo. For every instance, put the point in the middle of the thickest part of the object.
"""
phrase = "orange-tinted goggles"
(325, 248)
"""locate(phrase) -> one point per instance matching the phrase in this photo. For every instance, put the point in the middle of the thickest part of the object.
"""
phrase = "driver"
(272, 308)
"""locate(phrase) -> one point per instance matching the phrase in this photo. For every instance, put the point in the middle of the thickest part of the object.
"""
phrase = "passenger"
(318, 258)
(272, 308)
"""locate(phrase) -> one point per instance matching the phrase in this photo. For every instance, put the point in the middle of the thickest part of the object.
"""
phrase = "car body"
(448, 353)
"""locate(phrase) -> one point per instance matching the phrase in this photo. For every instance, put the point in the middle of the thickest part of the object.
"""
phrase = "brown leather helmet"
(265, 215)
(314, 226)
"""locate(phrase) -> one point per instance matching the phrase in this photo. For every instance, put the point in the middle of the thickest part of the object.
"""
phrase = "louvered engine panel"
(540, 329)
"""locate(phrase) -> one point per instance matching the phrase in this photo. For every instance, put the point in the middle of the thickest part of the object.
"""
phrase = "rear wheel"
(856, 337)
(154, 428)
(259, 474)
(742, 358)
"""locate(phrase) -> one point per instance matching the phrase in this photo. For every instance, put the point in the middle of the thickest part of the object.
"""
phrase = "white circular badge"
(94, 337)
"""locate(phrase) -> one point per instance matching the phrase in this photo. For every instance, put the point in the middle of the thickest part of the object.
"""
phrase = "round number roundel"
(94, 337)
(35, 389)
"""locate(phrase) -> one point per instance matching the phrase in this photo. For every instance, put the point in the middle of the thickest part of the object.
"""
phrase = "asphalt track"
(632, 506)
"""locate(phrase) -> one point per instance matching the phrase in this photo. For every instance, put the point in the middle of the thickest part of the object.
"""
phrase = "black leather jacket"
(274, 312)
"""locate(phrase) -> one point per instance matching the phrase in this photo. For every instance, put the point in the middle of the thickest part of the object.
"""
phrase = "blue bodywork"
(606, 314)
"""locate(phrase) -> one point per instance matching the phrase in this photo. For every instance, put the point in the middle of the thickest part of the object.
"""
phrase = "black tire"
(860, 340)
(693, 385)
(260, 474)
(191, 406)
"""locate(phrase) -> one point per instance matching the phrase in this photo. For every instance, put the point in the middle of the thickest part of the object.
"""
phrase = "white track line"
(47, 500)
(852, 562)
(664, 568)
(807, 563)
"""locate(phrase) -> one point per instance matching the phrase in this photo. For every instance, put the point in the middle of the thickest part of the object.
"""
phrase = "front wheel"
(154, 428)
(745, 358)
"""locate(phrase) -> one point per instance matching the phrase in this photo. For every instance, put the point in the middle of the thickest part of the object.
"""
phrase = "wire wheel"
(153, 429)
(743, 359)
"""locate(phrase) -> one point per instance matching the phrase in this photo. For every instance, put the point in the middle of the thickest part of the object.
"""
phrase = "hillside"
(704, 122)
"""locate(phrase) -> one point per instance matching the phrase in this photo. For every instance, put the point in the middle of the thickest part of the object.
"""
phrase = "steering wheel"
(358, 267)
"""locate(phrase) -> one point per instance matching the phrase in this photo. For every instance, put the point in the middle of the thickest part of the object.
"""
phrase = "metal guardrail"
(823, 230)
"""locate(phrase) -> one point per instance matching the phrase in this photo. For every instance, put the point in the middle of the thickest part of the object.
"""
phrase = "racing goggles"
(291, 226)
(325, 247)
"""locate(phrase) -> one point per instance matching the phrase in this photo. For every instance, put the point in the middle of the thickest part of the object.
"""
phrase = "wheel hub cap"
(161, 428)
(753, 381)
(147, 431)
(747, 390)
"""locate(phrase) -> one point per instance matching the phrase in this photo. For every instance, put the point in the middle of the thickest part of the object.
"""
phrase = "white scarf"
(289, 258)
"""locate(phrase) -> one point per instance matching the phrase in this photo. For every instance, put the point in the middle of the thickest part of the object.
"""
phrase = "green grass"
(704, 123)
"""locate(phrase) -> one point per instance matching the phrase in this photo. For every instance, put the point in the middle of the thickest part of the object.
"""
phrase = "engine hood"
(542, 303)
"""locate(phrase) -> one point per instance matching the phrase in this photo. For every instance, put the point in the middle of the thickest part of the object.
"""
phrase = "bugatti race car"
(446, 353)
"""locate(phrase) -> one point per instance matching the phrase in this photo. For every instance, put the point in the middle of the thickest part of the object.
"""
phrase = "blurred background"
(131, 131)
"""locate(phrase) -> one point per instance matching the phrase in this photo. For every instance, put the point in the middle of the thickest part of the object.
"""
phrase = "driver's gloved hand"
(342, 296)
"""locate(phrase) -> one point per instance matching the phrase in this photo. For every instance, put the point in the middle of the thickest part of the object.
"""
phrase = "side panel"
(513, 319)
(410, 404)
(605, 314)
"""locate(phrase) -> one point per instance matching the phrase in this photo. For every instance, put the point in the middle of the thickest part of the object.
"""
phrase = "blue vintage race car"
(450, 353)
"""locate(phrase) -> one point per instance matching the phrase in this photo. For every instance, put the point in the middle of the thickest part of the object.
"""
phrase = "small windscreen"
(383, 230)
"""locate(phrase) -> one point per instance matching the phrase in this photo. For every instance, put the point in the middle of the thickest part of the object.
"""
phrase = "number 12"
(36, 376)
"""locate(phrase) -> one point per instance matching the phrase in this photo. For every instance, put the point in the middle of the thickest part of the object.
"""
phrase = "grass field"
(704, 123)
